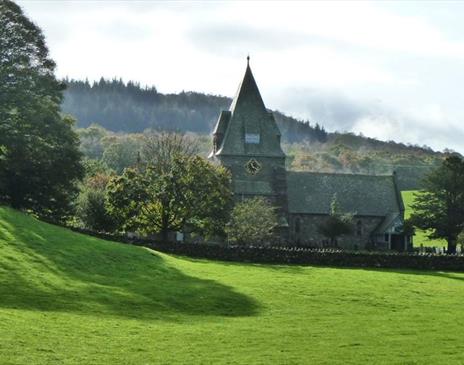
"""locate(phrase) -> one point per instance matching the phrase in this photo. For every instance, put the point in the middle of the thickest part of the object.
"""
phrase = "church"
(247, 141)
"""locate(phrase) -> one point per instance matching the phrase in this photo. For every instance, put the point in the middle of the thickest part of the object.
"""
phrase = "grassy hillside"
(70, 299)
(421, 236)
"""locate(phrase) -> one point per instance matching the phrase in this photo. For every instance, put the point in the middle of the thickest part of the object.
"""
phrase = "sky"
(388, 70)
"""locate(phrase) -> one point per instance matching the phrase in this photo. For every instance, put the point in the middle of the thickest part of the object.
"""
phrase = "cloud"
(388, 70)
(359, 24)
(332, 109)
(219, 36)
(429, 124)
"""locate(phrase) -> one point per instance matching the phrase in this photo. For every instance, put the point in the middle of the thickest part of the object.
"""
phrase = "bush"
(336, 224)
(252, 221)
(91, 208)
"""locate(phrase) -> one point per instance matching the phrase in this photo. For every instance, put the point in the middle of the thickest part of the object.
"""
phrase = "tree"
(121, 151)
(91, 209)
(91, 141)
(40, 163)
(159, 149)
(252, 221)
(188, 194)
(439, 207)
(337, 224)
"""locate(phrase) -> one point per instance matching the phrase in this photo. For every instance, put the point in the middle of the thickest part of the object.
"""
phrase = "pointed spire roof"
(248, 92)
(247, 118)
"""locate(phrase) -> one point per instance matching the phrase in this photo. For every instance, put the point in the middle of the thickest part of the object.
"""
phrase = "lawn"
(421, 236)
(67, 298)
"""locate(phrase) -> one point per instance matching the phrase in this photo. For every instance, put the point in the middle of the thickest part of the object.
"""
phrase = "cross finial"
(248, 60)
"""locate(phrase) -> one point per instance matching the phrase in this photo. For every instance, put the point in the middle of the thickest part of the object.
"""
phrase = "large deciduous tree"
(40, 160)
(439, 207)
(160, 148)
(171, 190)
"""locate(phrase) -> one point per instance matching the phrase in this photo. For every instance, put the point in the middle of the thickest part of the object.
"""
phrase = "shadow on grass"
(437, 274)
(285, 268)
(51, 269)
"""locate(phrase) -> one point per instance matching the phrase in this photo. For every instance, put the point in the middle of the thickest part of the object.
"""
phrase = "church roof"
(364, 195)
(248, 115)
(222, 122)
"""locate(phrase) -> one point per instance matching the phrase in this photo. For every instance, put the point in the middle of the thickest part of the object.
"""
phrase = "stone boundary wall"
(298, 256)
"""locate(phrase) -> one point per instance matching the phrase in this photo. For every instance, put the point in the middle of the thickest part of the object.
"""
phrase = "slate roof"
(222, 122)
(248, 115)
(367, 195)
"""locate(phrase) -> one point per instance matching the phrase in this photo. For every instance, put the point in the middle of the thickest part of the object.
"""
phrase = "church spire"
(247, 128)
(248, 93)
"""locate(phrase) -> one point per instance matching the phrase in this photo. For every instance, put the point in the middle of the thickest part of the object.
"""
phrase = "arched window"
(359, 228)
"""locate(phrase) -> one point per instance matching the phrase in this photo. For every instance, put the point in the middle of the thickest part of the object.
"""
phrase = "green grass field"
(421, 236)
(66, 298)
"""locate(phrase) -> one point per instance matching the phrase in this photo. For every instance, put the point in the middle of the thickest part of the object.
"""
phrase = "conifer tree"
(439, 207)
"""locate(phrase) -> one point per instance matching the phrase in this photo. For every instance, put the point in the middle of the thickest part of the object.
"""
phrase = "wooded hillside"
(121, 107)
(127, 109)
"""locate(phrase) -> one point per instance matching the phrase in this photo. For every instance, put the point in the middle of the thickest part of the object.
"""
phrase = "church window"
(252, 138)
(359, 228)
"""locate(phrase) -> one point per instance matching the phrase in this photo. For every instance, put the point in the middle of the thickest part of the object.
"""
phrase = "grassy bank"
(71, 299)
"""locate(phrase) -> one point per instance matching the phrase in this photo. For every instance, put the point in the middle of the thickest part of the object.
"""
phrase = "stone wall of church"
(304, 231)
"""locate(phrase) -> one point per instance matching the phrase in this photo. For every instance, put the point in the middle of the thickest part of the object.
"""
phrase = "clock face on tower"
(252, 166)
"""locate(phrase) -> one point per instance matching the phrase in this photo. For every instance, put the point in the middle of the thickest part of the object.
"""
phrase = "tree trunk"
(164, 235)
(15, 192)
(165, 229)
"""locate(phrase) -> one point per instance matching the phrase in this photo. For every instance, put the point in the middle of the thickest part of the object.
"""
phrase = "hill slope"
(67, 298)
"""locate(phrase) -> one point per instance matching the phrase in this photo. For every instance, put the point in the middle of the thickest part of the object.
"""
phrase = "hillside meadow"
(66, 298)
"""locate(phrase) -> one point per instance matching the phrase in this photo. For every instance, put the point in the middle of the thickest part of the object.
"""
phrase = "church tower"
(246, 140)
